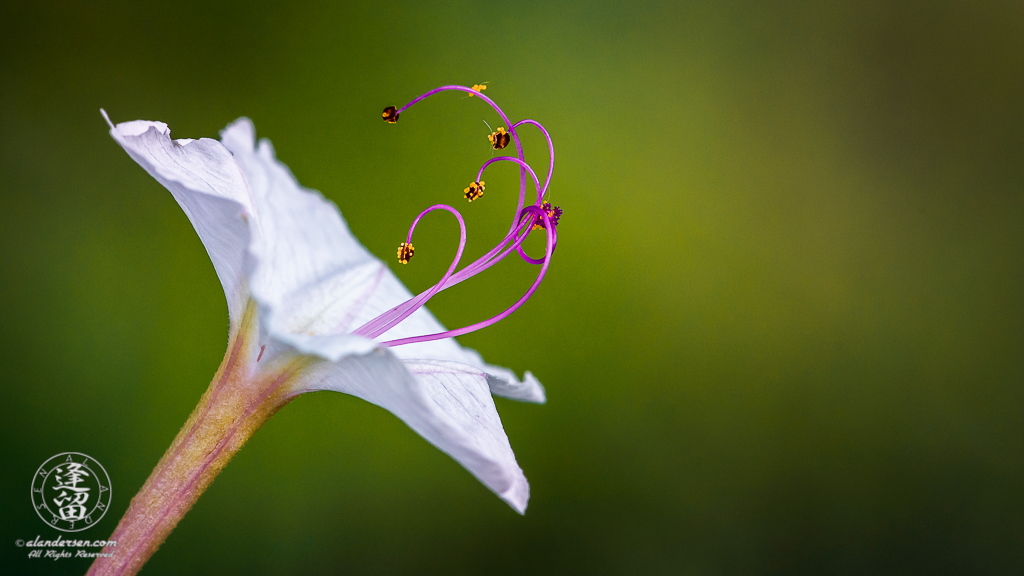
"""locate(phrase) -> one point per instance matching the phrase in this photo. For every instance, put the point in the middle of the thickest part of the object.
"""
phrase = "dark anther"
(475, 190)
(499, 139)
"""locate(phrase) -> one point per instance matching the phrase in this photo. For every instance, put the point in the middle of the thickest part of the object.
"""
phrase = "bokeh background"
(782, 333)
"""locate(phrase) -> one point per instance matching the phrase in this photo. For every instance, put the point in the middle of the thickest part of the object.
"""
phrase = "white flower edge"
(290, 250)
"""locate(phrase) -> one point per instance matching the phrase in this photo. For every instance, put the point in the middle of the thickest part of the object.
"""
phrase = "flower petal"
(204, 179)
(291, 249)
(306, 268)
(501, 381)
(315, 282)
(449, 404)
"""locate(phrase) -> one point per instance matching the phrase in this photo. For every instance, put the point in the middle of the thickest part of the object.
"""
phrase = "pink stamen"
(522, 226)
(551, 150)
(373, 332)
(521, 164)
(511, 131)
(474, 327)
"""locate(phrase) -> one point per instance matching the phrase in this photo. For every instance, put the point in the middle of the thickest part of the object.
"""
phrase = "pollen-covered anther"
(405, 252)
(390, 114)
(553, 212)
(499, 139)
(475, 190)
(479, 88)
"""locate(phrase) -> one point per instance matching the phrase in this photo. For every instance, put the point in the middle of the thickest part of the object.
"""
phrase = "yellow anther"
(479, 88)
(475, 190)
(499, 139)
(405, 252)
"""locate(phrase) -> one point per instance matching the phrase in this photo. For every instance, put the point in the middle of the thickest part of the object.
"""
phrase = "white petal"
(315, 282)
(448, 404)
(307, 272)
(502, 381)
(291, 249)
(209, 187)
(383, 291)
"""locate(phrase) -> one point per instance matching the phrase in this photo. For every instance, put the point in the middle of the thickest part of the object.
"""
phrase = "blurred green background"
(782, 333)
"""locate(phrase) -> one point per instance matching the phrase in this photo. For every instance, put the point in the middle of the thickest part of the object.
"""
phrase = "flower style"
(309, 309)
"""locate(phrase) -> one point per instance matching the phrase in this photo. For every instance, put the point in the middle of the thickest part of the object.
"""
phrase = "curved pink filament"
(434, 289)
(484, 262)
(550, 229)
(522, 226)
(551, 150)
(522, 166)
(511, 131)
(410, 305)
(522, 253)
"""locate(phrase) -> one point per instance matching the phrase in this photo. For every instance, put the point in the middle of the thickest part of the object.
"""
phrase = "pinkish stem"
(239, 400)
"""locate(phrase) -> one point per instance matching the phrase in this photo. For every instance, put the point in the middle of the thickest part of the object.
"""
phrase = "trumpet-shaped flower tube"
(311, 309)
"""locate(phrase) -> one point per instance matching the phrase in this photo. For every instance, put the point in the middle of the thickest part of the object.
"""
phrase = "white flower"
(287, 250)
